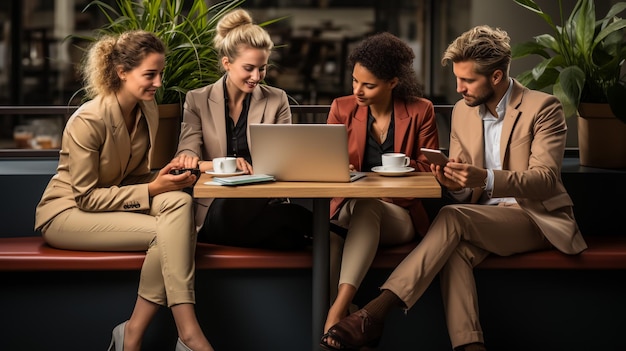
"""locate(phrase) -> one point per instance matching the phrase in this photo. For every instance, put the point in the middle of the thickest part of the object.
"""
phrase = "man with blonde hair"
(506, 147)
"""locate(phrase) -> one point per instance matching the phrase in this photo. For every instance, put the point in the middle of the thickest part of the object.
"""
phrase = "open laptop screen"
(301, 152)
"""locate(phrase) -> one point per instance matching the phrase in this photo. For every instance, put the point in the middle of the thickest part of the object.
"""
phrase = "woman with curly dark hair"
(386, 113)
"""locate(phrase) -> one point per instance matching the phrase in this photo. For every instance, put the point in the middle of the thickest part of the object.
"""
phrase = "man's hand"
(456, 176)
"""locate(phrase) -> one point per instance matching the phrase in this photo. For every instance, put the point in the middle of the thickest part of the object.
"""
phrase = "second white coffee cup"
(395, 160)
(224, 164)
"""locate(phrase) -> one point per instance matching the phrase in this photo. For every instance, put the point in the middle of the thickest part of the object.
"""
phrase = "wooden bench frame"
(33, 254)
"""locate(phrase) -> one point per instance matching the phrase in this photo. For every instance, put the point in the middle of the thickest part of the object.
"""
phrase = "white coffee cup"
(224, 164)
(395, 160)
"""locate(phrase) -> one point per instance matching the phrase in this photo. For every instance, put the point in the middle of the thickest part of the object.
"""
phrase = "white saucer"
(392, 172)
(237, 172)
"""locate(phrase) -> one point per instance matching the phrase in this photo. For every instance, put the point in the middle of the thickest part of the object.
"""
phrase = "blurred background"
(38, 67)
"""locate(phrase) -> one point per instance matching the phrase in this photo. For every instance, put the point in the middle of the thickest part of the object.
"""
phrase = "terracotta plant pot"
(601, 137)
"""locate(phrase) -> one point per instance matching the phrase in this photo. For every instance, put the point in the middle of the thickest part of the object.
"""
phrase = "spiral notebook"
(302, 152)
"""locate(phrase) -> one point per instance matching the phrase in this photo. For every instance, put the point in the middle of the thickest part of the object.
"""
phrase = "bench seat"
(33, 254)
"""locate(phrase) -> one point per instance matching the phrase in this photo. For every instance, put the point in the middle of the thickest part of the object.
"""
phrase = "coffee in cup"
(395, 161)
(225, 164)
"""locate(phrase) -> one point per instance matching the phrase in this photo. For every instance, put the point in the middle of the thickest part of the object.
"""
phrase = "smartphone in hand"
(194, 171)
(435, 156)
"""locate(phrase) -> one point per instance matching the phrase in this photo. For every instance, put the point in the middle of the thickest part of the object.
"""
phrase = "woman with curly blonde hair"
(104, 196)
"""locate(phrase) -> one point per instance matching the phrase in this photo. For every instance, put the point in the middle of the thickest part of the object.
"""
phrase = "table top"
(416, 184)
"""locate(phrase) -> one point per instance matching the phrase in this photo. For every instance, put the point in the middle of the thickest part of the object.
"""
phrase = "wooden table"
(422, 185)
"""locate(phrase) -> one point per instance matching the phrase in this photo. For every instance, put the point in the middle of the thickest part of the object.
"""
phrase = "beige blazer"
(531, 150)
(99, 168)
(203, 130)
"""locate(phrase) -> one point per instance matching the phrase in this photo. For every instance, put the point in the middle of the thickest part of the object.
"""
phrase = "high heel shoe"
(117, 341)
(180, 346)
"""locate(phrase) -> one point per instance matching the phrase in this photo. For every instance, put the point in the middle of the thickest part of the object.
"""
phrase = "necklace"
(381, 132)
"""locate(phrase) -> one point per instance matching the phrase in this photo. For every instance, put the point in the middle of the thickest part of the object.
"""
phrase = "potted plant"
(187, 28)
(582, 65)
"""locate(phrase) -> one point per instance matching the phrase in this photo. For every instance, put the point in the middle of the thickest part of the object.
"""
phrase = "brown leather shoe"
(356, 331)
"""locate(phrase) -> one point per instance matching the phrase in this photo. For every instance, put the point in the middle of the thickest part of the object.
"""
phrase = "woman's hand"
(165, 181)
(185, 161)
(243, 165)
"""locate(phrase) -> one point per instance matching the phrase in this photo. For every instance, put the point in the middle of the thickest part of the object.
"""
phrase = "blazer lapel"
(359, 129)
(217, 111)
(510, 119)
(476, 146)
(401, 125)
(150, 112)
(119, 133)
(258, 102)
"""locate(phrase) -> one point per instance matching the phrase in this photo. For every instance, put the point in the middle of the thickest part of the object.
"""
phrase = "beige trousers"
(459, 238)
(166, 231)
(370, 223)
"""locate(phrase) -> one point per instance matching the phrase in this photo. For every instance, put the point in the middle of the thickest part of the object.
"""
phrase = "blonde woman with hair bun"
(216, 121)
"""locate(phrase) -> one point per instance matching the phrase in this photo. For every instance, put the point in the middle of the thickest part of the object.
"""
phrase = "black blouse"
(374, 150)
(236, 135)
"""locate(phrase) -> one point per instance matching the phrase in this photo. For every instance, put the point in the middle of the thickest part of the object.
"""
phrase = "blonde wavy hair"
(488, 47)
(108, 53)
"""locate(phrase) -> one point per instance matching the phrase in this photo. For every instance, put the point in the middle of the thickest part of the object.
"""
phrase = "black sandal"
(324, 344)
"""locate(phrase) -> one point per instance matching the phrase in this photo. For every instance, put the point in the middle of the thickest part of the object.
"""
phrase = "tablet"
(435, 156)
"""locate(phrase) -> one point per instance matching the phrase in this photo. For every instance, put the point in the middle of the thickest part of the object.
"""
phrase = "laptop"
(302, 152)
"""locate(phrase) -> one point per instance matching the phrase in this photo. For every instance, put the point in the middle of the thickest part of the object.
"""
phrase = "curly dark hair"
(387, 56)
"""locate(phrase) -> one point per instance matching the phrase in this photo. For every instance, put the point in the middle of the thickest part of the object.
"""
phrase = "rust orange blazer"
(414, 127)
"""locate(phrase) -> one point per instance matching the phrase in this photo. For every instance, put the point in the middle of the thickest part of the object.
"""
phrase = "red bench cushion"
(31, 253)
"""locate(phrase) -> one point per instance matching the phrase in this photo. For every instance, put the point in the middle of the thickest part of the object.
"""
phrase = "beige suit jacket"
(203, 130)
(99, 168)
(531, 150)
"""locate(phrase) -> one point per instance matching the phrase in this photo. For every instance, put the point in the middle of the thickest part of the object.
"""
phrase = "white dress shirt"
(492, 130)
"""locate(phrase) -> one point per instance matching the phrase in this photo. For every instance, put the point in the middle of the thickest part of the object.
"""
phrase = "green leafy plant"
(583, 57)
(191, 61)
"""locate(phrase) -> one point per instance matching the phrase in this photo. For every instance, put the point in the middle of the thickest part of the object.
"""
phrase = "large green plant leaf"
(549, 42)
(529, 48)
(532, 6)
(582, 24)
(588, 53)
(569, 87)
(612, 28)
